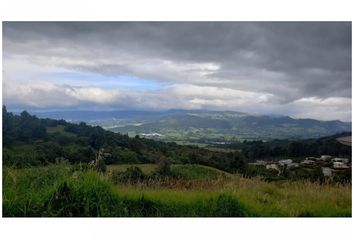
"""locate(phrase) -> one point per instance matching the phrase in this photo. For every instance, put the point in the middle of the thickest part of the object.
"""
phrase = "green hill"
(29, 141)
(226, 126)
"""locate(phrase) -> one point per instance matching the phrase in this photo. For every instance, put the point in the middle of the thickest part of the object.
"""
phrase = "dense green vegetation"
(293, 148)
(63, 190)
(30, 141)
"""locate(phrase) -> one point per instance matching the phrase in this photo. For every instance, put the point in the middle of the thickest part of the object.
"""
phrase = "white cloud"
(43, 94)
(250, 67)
(326, 109)
(93, 94)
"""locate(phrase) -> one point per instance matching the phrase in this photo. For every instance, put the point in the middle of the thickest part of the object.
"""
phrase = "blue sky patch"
(103, 81)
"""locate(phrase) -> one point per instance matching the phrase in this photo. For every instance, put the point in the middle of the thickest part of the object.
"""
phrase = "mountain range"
(203, 125)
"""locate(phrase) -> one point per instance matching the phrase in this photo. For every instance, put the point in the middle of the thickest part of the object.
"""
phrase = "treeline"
(291, 148)
(28, 140)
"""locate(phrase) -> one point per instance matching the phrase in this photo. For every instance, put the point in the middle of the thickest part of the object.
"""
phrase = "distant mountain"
(203, 125)
(87, 116)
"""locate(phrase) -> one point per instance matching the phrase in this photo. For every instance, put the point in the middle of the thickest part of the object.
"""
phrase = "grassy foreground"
(59, 190)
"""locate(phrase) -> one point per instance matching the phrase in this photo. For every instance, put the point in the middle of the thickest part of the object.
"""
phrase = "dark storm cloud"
(287, 60)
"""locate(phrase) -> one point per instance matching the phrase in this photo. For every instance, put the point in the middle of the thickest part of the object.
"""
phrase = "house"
(339, 165)
(311, 158)
(343, 160)
(326, 157)
(288, 163)
(151, 135)
(327, 172)
(285, 162)
(308, 162)
(272, 166)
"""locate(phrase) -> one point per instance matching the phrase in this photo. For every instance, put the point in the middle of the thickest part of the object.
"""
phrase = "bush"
(163, 166)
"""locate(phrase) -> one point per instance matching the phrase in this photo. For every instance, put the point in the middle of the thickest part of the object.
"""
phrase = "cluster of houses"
(147, 135)
(336, 163)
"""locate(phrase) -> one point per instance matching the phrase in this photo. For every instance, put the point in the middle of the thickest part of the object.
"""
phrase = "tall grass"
(58, 190)
(296, 198)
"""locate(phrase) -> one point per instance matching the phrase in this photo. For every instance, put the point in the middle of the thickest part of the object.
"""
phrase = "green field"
(63, 190)
(225, 126)
(59, 130)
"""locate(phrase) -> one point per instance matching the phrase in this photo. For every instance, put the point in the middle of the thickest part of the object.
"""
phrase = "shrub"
(163, 166)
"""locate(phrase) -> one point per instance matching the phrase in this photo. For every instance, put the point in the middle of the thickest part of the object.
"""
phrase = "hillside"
(203, 126)
(28, 141)
(209, 126)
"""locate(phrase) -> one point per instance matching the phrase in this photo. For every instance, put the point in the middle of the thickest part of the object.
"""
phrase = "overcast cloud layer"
(298, 69)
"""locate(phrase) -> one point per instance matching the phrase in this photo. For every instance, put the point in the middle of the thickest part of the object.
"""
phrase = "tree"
(97, 138)
(8, 127)
(237, 161)
(163, 165)
(295, 149)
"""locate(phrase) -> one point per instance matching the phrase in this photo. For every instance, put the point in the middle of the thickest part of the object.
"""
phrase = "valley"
(204, 126)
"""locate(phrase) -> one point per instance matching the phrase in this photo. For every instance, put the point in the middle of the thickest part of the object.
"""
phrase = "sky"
(300, 69)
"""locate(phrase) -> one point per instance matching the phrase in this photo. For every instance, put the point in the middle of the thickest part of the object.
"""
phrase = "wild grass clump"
(25, 190)
(223, 205)
(180, 176)
(197, 172)
(132, 175)
(55, 191)
(85, 195)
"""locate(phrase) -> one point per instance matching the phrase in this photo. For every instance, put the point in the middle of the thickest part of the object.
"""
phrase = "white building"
(326, 157)
(308, 162)
(327, 172)
(343, 160)
(285, 162)
(151, 135)
(272, 166)
(338, 165)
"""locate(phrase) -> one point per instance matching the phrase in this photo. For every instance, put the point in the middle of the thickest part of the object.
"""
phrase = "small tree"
(163, 165)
